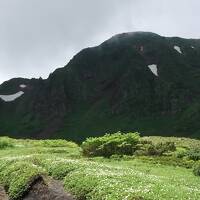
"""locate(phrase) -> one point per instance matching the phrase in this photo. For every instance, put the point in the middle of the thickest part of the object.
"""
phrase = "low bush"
(59, 170)
(169, 160)
(196, 169)
(111, 144)
(180, 153)
(193, 154)
(81, 184)
(161, 148)
(17, 177)
(5, 142)
(158, 149)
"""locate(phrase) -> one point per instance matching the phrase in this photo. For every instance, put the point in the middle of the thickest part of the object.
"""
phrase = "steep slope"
(133, 81)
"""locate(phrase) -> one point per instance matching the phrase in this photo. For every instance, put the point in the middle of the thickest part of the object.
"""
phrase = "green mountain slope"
(110, 87)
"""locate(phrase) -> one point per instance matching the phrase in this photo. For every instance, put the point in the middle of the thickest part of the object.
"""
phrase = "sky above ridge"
(38, 36)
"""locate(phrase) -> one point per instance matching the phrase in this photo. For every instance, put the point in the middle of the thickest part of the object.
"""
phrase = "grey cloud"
(37, 36)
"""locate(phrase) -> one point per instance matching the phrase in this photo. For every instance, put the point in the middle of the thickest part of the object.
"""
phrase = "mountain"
(137, 81)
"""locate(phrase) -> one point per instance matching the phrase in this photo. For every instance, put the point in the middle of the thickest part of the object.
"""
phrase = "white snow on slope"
(11, 97)
(154, 69)
(177, 48)
(22, 86)
(192, 47)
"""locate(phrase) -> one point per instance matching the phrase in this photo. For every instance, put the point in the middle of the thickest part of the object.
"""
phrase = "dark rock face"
(109, 88)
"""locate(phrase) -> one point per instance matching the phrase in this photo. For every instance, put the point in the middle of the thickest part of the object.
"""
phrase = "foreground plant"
(16, 177)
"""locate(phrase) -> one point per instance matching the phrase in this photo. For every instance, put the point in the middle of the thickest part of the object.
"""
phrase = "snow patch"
(153, 69)
(12, 97)
(192, 47)
(177, 48)
(22, 86)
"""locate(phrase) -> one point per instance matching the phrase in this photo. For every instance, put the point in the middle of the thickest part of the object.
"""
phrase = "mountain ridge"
(112, 87)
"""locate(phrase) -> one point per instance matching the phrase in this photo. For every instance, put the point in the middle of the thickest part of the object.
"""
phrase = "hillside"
(133, 81)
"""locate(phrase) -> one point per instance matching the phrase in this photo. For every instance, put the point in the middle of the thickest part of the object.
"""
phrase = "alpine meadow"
(119, 120)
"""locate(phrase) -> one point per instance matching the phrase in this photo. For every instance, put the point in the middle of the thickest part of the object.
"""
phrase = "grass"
(128, 177)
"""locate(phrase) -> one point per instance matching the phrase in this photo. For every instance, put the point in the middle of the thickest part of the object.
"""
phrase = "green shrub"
(110, 144)
(161, 148)
(56, 168)
(196, 169)
(158, 149)
(5, 142)
(80, 184)
(180, 153)
(59, 170)
(154, 150)
(194, 154)
(16, 177)
(169, 160)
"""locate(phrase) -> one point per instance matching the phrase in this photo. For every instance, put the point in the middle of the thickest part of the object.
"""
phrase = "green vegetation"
(17, 176)
(5, 142)
(118, 143)
(125, 144)
(102, 168)
(196, 169)
(193, 154)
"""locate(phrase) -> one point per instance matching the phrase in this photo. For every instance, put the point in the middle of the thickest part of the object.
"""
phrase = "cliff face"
(133, 81)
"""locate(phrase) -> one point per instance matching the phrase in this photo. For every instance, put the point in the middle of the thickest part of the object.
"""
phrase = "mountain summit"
(134, 81)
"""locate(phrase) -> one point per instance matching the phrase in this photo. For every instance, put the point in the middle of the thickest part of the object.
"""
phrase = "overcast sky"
(38, 36)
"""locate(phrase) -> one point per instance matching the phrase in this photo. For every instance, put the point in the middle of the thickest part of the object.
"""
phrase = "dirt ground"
(43, 188)
(47, 190)
(3, 195)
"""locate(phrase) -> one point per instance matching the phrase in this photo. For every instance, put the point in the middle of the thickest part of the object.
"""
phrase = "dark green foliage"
(169, 160)
(181, 143)
(193, 154)
(5, 142)
(150, 149)
(196, 169)
(161, 148)
(110, 144)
